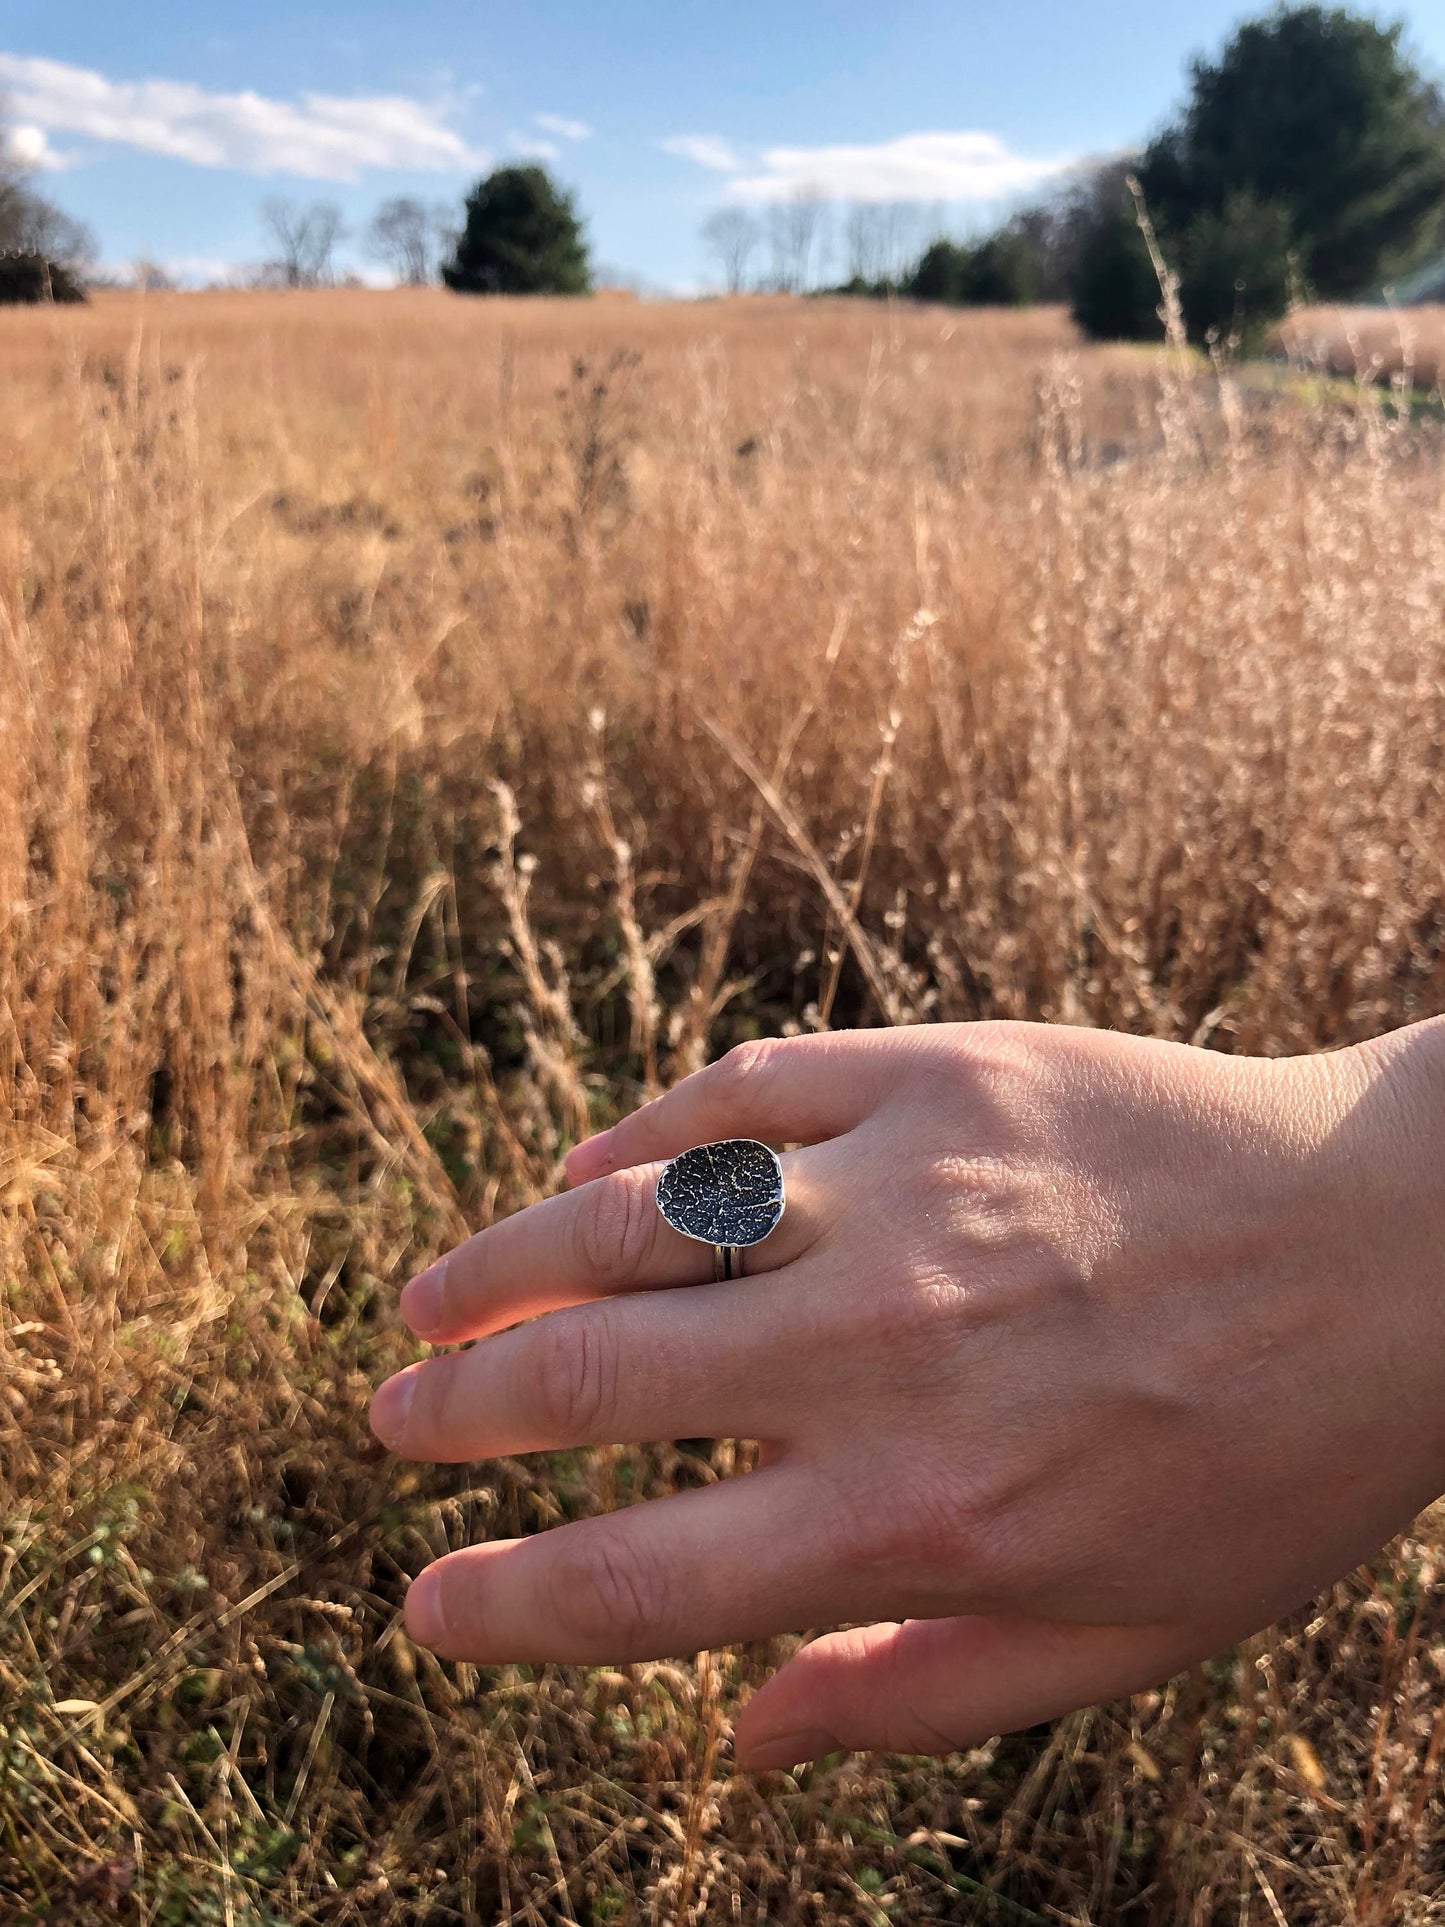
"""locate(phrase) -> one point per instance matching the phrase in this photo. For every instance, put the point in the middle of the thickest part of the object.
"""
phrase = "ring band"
(728, 1195)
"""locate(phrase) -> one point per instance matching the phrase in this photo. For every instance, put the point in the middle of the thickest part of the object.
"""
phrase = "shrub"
(1116, 291)
(940, 272)
(34, 278)
(999, 273)
(861, 289)
(1234, 270)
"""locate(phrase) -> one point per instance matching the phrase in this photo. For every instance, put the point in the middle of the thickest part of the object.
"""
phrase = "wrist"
(1390, 1133)
(1388, 1177)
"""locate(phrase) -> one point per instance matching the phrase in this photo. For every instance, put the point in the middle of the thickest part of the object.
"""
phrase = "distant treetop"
(1317, 112)
(1310, 153)
(521, 236)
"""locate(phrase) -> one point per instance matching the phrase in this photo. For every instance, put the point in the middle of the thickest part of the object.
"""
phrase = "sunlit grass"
(425, 726)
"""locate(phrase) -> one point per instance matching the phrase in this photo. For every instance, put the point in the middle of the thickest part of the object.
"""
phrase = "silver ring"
(728, 1195)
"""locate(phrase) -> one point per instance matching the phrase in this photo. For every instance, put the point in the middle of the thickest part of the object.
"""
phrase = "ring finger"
(594, 1242)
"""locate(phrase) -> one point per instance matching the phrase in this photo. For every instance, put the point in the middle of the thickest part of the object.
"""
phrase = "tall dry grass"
(1402, 348)
(424, 727)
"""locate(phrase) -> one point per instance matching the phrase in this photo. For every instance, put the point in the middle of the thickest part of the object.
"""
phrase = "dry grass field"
(1405, 347)
(425, 726)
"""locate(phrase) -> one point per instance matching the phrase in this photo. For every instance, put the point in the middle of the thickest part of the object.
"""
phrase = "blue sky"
(165, 125)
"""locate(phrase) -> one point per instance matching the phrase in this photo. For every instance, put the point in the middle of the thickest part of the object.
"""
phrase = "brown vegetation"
(424, 726)
(1399, 346)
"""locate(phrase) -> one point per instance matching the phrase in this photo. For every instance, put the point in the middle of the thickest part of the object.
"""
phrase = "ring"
(728, 1195)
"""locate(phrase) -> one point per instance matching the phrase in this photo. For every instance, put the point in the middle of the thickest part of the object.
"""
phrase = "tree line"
(1308, 158)
(408, 236)
(518, 233)
(789, 245)
(1307, 161)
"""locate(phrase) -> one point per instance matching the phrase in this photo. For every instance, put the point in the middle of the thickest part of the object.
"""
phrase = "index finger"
(783, 1090)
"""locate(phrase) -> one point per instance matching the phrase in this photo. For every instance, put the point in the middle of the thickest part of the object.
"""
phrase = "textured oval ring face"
(729, 1193)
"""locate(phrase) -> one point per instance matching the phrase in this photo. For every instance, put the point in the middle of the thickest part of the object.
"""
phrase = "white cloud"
(912, 167)
(28, 145)
(321, 137)
(703, 150)
(564, 129)
(531, 147)
(200, 270)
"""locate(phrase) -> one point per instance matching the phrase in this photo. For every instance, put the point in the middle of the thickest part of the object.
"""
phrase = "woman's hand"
(1075, 1357)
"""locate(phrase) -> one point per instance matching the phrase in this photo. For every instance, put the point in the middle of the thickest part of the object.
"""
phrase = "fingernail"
(425, 1621)
(389, 1409)
(422, 1299)
(788, 1749)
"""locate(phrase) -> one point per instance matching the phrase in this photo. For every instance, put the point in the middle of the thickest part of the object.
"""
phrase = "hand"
(1081, 1356)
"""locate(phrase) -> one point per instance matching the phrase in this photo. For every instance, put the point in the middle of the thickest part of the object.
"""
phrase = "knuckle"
(607, 1595)
(744, 1068)
(925, 1303)
(616, 1227)
(937, 1521)
(983, 1062)
(575, 1377)
(977, 1198)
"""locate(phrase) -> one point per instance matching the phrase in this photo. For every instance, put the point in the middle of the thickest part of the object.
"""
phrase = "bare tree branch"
(406, 235)
(731, 234)
(306, 238)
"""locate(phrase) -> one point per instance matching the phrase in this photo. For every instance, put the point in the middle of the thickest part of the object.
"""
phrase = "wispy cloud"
(322, 137)
(201, 270)
(564, 129)
(531, 147)
(703, 150)
(30, 147)
(966, 166)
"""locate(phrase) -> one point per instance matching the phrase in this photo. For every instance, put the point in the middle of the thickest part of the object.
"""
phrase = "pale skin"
(1075, 1358)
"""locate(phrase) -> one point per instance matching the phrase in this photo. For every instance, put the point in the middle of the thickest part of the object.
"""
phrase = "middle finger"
(729, 1361)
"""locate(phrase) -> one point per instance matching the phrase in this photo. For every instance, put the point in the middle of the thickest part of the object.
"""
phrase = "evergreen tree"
(999, 272)
(522, 236)
(1317, 112)
(939, 273)
(1234, 270)
(1116, 291)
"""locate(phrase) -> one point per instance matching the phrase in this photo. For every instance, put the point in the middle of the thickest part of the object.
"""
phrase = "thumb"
(934, 1685)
